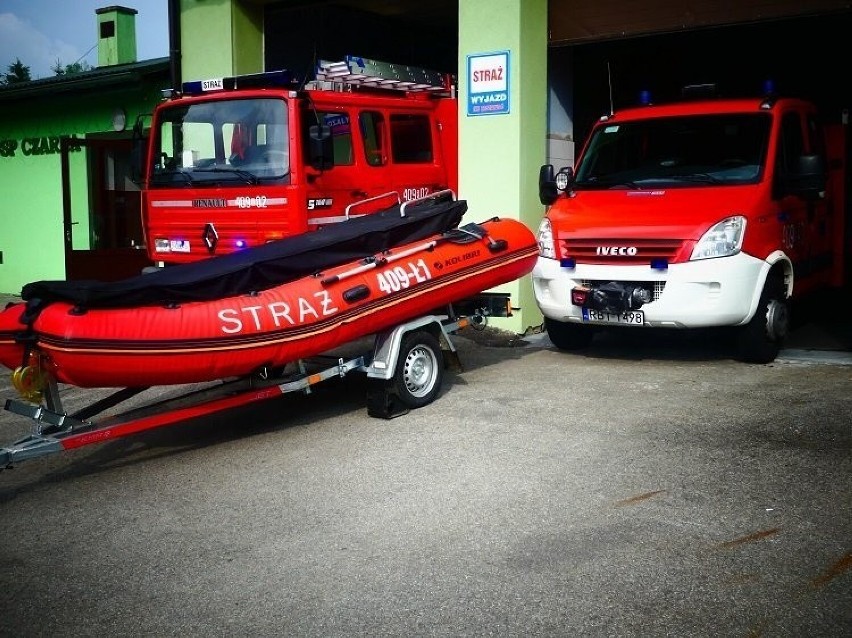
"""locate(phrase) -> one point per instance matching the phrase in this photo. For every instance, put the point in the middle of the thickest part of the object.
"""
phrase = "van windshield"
(221, 141)
(690, 151)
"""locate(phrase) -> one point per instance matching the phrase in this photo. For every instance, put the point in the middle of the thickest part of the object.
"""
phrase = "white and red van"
(689, 215)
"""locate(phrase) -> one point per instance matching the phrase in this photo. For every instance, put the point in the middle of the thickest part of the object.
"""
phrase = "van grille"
(619, 251)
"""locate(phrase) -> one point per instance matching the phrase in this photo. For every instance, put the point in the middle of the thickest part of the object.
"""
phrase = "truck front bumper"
(711, 292)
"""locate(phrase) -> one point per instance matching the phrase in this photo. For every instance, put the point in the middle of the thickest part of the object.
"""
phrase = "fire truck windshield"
(221, 141)
(671, 152)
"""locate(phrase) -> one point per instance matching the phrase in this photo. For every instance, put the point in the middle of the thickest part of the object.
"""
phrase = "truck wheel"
(568, 336)
(419, 370)
(760, 339)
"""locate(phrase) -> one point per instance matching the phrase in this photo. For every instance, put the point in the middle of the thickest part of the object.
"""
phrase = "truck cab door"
(804, 213)
(374, 155)
(331, 190)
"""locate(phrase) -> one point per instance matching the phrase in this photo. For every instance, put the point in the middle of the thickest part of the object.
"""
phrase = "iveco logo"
(208, 203)
(620, 251)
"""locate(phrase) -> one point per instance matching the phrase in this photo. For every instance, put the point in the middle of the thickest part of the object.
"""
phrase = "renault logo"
(210, 237)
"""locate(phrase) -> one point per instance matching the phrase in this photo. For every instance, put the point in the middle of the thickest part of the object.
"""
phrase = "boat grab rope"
(473, 232)
(379, 260)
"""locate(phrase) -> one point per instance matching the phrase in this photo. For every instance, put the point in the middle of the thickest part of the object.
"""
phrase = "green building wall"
(235, 27)
(31, 216)
(500, 155)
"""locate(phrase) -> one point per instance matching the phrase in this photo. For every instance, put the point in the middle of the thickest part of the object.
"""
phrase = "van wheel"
(760, 339)
(568, 336)
(419, 370)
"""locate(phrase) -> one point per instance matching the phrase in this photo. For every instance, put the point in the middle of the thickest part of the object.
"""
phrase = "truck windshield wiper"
(702, 178)
(250, 178)
(164, 176)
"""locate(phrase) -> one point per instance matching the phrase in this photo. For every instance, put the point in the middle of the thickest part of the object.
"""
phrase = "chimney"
(116, 35)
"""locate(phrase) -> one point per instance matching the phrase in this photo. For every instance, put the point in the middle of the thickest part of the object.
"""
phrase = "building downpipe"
(174, 43)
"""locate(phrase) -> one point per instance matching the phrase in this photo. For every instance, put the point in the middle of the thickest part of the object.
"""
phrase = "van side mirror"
(549, 185)
(547, 192)
(321, 147)
(808, 179)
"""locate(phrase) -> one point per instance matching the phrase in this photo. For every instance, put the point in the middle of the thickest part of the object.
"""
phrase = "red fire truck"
(696, 214)
(238, 162)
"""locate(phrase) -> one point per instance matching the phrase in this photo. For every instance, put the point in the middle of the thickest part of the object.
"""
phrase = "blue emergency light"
(271, 79)
(660, 263)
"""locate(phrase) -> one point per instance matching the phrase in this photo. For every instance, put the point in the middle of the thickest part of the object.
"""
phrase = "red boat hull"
(202, 341)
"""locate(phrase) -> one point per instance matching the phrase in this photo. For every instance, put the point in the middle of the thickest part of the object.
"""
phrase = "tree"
(16, 72)
(70, 69)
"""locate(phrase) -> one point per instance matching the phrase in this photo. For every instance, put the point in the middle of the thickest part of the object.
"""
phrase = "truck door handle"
(357, 193)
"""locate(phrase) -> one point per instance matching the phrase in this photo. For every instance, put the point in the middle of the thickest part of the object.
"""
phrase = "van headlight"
(722, 240)
(545, 240)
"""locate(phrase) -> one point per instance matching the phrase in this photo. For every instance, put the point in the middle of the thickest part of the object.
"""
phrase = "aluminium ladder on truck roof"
(365, 72)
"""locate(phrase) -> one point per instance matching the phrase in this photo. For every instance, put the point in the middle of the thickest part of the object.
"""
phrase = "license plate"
(629, 318)
(179, 245)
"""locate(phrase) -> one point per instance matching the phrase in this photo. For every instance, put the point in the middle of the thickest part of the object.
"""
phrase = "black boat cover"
(259, 268)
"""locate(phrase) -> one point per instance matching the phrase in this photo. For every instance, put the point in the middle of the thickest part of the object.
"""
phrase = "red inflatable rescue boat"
(229, 316)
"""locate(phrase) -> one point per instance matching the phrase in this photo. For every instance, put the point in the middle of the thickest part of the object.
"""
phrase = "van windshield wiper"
(250, 178)
(593, 182)
(629, 184)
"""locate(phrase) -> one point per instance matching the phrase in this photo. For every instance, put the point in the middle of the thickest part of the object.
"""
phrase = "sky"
(40, 32)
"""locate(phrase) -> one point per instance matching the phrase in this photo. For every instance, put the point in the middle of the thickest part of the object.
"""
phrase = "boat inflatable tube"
(181, 332)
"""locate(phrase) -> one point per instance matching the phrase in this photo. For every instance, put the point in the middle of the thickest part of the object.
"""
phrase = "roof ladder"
(358, 71)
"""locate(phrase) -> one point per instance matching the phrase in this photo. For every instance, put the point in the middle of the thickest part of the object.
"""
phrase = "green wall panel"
(220, 38)
(499, 155)
(31, 228)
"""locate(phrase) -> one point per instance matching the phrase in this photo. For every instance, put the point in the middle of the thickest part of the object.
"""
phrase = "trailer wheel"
(568, 336)
(760, 339)
(419, 370)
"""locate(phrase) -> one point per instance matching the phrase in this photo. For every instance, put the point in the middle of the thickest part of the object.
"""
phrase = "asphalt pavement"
(646, 487)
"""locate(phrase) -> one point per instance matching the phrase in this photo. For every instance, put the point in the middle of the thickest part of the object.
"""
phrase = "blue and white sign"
(488, 83)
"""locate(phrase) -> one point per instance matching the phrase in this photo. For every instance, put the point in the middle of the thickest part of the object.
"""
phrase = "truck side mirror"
(138, 151)
(808, 178)
(547, 192)
(321, 147)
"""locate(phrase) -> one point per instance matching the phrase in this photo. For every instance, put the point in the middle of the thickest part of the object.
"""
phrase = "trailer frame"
(55, 430)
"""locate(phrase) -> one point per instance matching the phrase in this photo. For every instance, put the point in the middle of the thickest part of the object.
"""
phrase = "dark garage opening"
(803, 57)
(410, 32)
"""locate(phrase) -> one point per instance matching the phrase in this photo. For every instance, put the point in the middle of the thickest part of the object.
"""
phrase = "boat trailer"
(405, 370)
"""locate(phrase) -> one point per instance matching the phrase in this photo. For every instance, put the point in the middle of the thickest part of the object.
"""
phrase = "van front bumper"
(711, 292)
